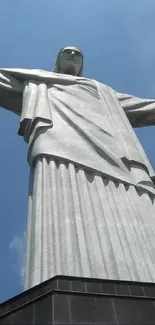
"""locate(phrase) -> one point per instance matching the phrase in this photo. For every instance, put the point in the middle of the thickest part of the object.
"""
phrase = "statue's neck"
(69, 71)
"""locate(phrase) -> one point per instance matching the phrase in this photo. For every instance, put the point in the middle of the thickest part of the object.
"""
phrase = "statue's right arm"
(11, 92)
(140, 112)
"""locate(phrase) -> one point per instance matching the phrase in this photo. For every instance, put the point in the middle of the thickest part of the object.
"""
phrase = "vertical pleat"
(130, 241)
(55, 206)
(81, 224)
(29, 231)
(143, 237)
(46, 222)
(115, 255)
(79, 241)
(36, 244)
(91, 235)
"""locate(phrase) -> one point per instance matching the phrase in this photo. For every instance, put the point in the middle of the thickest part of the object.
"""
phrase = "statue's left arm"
(25, 93)
(11, 92)
(140, 112)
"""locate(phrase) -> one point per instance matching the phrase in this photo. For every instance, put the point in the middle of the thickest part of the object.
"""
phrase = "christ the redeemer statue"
(91, 198)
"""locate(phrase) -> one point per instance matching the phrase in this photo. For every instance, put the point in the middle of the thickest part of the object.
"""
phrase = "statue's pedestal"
(71, 300)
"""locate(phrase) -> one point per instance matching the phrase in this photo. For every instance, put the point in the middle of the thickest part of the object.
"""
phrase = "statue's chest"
(77, 96)
(80, 103)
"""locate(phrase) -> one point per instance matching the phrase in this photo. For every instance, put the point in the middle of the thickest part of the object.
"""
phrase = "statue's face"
(70, 61)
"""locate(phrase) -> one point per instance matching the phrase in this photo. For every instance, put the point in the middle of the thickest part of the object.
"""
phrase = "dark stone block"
(4, 309)
(94, 287)
(43, 310)
(21, 301)
(82, 301)
(105, 310)
(107, 287)
(61, 309)
(21, 316)
(136, 290)
(147, 310)
(32, 295)
(77, 285)
(51, 285)
(13, 304)
(149, 290)
(126, 311)
(122, 289)
(6, 320)
(64, 284)
(83, 309)
(25, 315)
(134, 311)
(40, 292)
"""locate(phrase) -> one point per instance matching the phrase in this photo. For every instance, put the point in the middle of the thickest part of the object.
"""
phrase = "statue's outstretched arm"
(11, 92)
(140, 112)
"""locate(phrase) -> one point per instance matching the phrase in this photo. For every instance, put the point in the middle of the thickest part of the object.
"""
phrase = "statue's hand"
(6, 80)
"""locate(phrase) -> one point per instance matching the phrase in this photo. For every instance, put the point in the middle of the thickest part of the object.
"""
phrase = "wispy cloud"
(17, 248)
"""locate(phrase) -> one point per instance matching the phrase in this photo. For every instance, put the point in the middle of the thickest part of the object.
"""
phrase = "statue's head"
(69, 61)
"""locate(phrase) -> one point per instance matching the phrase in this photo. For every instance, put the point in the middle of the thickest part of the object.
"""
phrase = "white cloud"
(17, 248)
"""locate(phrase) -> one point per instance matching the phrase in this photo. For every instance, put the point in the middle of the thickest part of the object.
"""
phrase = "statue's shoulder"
(102, 86)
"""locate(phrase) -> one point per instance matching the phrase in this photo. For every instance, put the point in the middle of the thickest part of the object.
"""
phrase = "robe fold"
(91, 197)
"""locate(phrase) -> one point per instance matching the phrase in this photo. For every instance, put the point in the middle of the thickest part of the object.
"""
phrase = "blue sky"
(117, 38)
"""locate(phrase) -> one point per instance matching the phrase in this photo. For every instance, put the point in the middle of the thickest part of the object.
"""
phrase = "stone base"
(71, 300)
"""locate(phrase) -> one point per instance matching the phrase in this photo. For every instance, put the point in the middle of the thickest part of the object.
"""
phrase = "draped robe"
(91, 197)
